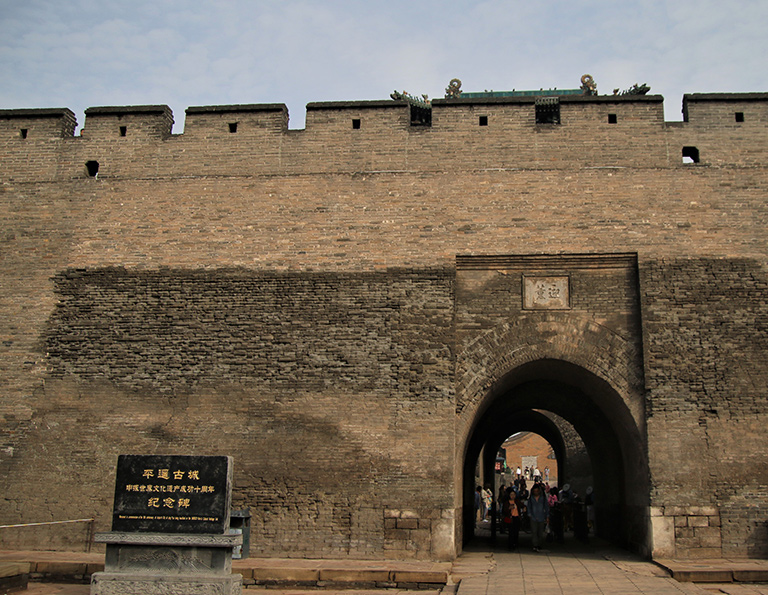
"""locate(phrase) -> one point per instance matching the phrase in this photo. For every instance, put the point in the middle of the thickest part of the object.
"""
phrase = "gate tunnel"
(614, 443)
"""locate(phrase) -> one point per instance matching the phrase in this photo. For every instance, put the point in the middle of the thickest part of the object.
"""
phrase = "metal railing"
(89, 530)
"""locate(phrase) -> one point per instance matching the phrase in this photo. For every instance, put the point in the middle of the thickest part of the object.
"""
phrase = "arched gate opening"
(520, 402)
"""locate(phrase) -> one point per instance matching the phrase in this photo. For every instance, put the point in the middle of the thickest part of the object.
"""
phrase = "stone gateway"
(361, 312)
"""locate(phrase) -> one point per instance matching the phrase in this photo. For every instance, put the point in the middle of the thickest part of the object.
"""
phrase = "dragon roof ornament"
(423, 103)
(453, 90)
(634, 90)
(588, 84)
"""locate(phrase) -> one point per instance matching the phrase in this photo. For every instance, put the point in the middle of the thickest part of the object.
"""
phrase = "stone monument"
(170, 527)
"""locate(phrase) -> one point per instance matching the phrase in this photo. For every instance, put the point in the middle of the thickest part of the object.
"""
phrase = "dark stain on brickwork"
(172, 330)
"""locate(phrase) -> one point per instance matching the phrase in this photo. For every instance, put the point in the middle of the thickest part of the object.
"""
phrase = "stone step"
(14, 576)
(342, 574)
(69, 566)
(717, 570)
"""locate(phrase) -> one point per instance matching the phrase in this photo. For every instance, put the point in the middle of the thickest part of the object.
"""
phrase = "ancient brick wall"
(318, 385)
(378, 136)
(528, 444)
(705, 417)
(721, 127)
(259, 291)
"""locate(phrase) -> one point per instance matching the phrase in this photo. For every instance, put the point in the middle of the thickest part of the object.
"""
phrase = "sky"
(182, 53)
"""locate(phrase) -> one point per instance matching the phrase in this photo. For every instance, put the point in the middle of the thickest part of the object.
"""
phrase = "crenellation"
(39, 124)
(327, 120)
(706, 109)
(238, 140)
(138, 122)
(210, 123)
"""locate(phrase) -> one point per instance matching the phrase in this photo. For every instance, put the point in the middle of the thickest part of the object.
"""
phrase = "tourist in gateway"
(538, 511)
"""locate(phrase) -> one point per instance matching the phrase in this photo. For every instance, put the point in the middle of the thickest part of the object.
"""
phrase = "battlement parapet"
(56, 122)
(532, 99)
(211, 120)
(539, 132)
(703, 109)
(149, 121)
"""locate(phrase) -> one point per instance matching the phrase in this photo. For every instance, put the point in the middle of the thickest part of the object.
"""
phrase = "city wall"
(289, 298)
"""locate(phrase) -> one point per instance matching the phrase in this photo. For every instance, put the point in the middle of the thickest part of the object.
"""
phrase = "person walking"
(511, 517)
(487, 496)
(500, 504)
(538, 511)
(589, 502)
(566, 502)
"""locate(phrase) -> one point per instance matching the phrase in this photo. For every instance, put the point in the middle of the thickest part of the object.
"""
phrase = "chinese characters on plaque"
(172, 494)
(546, 293)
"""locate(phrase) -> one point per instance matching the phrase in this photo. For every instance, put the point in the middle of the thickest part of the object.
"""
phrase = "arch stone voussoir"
(558, 336)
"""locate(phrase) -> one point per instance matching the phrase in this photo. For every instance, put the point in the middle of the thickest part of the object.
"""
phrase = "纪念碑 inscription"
(546, 293)
(172, 494)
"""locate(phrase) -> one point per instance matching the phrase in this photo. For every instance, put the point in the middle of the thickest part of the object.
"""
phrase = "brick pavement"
(489, 569)
(573, 571)
(574, 568)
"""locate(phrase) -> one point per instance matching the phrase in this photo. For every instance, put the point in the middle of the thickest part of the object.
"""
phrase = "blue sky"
(83, 53)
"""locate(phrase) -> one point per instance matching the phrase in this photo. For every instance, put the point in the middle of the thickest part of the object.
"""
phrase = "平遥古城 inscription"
(172, 494)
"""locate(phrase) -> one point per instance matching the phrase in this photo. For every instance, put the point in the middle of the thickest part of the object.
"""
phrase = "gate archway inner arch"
(598, 414)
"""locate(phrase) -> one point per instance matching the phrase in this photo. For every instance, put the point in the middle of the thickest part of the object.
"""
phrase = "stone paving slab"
(572, 573)
(735, 589)
(274, 574)
(77, 564)
(69, 589)
(483, 569)
(720, 570)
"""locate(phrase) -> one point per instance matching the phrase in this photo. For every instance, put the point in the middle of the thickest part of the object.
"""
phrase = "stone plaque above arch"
(546, 293)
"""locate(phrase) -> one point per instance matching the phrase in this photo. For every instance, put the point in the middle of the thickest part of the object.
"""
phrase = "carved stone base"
(167, 564)
(110, 583)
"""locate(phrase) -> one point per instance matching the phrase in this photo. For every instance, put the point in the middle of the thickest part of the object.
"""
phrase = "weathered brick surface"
(293, 299)
(316, 384)
(703, 418)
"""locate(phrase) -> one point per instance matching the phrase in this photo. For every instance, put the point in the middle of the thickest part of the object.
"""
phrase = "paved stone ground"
(572, 568)
(488, 568)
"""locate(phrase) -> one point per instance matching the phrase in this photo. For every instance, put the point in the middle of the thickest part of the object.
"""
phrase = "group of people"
(532, 474)
(547, 512)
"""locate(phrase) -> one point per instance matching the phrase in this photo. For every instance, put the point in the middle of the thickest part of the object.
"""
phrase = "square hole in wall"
(92, 168)
(23, 133)
(690, 155)
(232, 127)
(356, 123)
(612, 119)
(483, 121)
(123, 130)
(739, 116)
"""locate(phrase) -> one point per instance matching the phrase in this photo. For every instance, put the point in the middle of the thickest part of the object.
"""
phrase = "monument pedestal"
(167, 564)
